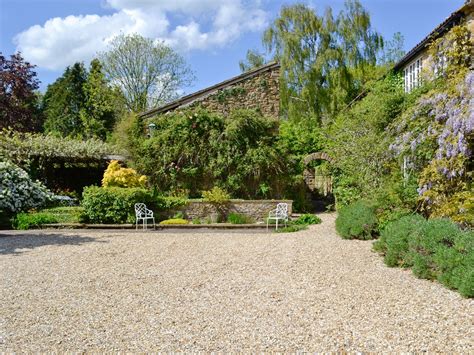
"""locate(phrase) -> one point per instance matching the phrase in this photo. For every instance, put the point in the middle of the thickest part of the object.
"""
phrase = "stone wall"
(256, 209)
(260, 92)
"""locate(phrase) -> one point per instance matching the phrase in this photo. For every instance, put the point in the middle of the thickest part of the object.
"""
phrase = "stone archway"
(318, 182)
(317, 156)
(312, 180)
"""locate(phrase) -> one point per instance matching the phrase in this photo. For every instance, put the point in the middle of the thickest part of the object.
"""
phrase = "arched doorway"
(318, 180)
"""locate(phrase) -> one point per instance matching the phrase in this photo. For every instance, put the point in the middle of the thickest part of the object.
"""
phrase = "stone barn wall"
(260, 92)
(257, 89)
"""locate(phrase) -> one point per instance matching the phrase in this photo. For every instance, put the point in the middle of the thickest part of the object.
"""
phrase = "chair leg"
(267, 223)
(276, 224)
(136, 224)
(154, 226)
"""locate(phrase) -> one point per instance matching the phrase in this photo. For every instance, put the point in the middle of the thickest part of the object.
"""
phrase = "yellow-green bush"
(216, 195)
(174, 221)
(118, 176)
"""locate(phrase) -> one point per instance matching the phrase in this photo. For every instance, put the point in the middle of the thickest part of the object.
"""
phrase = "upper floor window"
(412, 75)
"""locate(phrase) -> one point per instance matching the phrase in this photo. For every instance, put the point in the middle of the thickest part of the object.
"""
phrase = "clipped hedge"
(435, 249)
(357, 221)
(113, 204)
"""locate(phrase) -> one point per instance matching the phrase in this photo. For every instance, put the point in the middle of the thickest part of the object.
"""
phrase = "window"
(440, 64)
(412, 74)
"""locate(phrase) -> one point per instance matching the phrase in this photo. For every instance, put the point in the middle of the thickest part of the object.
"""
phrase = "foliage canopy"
(19, 107)
(148, 73)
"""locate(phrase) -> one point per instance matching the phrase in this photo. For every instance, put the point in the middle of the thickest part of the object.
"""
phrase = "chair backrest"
(282, 210)
(140, 209)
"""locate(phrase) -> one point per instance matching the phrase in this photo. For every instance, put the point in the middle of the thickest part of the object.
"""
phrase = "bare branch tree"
(149, 73)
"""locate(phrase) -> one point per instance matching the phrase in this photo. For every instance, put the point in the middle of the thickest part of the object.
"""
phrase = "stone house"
(418, 60)
(257, 89)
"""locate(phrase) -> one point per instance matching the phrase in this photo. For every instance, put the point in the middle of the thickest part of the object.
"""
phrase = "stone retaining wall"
(256, 209)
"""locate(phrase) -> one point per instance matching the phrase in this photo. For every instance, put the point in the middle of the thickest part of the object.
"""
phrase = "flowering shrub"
(18, 192)
(117, 176)
(436, 135)
(18, 147)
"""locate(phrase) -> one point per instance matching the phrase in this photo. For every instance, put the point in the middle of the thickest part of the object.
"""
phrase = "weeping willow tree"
(325, 60)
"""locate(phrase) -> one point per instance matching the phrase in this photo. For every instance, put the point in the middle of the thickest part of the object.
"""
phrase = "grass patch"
(238, 218)
(307, 219)
(292, 228)
(25, 221)
(66, 214)
(34, 219)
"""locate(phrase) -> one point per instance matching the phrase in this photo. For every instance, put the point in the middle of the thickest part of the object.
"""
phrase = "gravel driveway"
(218, 291)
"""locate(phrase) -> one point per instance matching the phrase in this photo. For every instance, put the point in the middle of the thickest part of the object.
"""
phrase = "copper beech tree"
(18, 100)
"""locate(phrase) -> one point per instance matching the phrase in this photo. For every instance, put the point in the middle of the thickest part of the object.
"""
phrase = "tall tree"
(148, 73)
(393, 50)
(325, 59)
(253, 60)
(18, 100)
(98, 113)
(63, 102)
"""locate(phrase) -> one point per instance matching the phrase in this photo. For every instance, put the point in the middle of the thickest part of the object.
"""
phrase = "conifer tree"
(63, 102)
(97, 114)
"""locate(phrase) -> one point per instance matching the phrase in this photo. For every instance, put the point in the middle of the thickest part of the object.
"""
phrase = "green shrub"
(164, 203)
(174, 221)
(33, 220)
(393, 242)
(307, 219)
(356, 221)
(73, 214)
(178, 215)
(292, 228)
(454, 266)
(433, 235)
(237, 218)
(113, 204)
(435, 249)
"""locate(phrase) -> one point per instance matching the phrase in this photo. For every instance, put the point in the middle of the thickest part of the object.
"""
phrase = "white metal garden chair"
(144, 214)
(280, 213)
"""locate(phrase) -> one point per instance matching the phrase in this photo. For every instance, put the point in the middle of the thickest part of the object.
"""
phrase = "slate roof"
(442, 28)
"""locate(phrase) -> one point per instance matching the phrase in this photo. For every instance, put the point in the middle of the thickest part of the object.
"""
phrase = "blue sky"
(213, 35)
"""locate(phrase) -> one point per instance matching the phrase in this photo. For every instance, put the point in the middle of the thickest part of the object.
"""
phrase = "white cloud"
(62, 41)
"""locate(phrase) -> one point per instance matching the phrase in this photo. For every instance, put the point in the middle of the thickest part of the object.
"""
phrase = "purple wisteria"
(447, 121)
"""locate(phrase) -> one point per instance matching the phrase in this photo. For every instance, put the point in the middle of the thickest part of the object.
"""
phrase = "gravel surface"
(143, 291)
